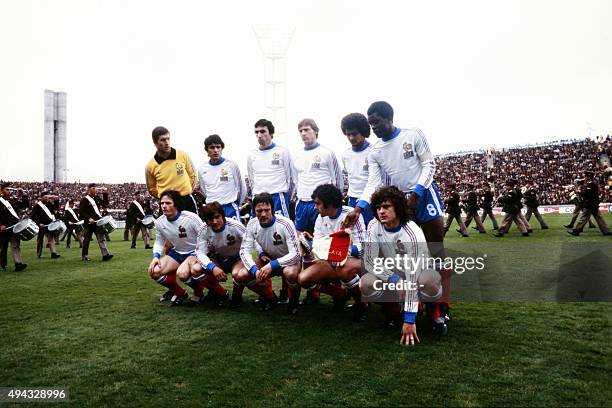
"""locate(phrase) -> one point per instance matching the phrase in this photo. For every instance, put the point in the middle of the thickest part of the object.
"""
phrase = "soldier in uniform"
(71, 218)
(42, 215)
(590, 198)
(531, 201)
(574, 196)
(510, 206)
(135, 214)
(454, 211)
(471, 206)
(9, 216)
(90, 213)
(519, 203)
(486, 203)
(128, 227)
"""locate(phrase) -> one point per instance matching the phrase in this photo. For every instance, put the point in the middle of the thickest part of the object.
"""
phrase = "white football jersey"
(224, 244)
(182, 232)
(279, 240)
(315, 166)
(407, 240)
(327, 225)
(404, 160)
(271, 170)
(222, 182)
(356, 166)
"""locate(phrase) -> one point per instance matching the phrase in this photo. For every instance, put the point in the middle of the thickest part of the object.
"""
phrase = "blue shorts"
(429, 206)
(180, 258)
(366, 212)
(226, 263)
(231, 211)
(305, 216)
(281, 205)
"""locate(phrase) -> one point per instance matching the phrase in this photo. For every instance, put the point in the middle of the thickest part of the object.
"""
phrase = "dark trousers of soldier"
(490, 214)
(138, 227)
(42, 234)
(538, 216)
(89, 232)
(474, 216)
(586, 217)
(5, 239)
(507, 222)
(575, 214)
(72, 233)
(126, 232)
(449, 221)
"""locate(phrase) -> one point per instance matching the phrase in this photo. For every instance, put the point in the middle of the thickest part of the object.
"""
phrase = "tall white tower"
(274, 41)
(55, 137)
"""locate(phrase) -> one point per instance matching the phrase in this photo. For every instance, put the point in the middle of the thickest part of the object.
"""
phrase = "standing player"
(90, 213)
(453, 210)
(356, 128)
(391, 236)
(328, 201)
(9, 217)
(180, 229)
(220, 179)
(270, 169)
(171, 169)
(41, 215)
(277, 238)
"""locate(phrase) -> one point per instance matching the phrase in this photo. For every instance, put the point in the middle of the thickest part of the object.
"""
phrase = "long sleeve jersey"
(355, 163)
(278, 240)
(315, 166)
(182, 232)
(222, 182)
(271, 170)
(223, 244)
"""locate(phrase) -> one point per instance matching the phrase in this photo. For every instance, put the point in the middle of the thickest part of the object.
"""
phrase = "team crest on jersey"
(180, 169)
(231, 240)
(276, 159)
(224, 175)
(400, 248)
(365, 165)
(408, 152)
(278, 240)
(316, 163)
(182, 232)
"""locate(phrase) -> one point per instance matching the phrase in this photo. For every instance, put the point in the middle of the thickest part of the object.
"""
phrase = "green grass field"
(99, 329)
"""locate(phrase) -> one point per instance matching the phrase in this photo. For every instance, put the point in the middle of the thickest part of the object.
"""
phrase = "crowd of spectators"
(551, 166)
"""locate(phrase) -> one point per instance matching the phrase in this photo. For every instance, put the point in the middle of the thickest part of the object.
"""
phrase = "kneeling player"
(275, 236)
(328, 201)
(392, 242)
(180, 229)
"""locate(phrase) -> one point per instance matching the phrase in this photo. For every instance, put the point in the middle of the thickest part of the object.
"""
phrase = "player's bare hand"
(153, 264)
(351, 218)
(265, 259)
(264, 273)
(409, 335)
(307, 235)
(219, 274)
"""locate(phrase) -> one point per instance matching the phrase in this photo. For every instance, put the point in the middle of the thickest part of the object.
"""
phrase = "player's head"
(161, 139)
(170, 202)
(263, 207)
(264, 131)
(327, 198)
(6, 190)
(214, 146)
(389, 205)
(356, 128)
(309, 131)
(380, 117)
(214, 216)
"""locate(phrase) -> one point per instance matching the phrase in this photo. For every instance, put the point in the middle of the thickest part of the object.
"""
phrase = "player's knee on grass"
(430, 285)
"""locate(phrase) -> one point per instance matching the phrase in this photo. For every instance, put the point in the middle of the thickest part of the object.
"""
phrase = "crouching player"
(396, 260)
(328, 201)
(218, 255)
(180, 229)
(275, 236)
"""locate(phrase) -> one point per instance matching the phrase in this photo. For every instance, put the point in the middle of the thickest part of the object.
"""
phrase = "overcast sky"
(471, 74)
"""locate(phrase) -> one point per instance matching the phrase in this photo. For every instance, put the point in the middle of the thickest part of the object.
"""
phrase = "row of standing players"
(585, 196)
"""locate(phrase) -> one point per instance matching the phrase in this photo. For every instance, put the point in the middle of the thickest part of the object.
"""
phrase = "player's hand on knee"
(351, 218)
(409, 335)
(264, 273)
(219, 274)
(152, 265)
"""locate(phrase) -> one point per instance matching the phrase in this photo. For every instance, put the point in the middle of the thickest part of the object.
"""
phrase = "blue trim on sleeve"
(262, 254)
(419, 190)
(156, 255)
(354, 251)
(394, 278)
(253, 270)
(210, 266)
(409, 317)
(276, 267)
(362, 204)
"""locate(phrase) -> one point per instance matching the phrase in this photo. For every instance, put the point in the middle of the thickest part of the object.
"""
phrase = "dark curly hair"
(211, 209)
(328, 194)
(355, 121)
(382, 109)
(396, 197)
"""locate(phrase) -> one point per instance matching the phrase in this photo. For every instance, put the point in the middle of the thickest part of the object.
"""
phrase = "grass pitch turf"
(99, 329)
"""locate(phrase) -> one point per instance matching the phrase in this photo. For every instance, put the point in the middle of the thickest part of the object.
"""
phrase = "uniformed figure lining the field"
(89, 211)
(171, 169)
(9, 216)
(486, 203)
(220, 179)
(531, 201)
(453, 209)
(589, 195)
(471, 209)
(509, 201)
(390, 235)
(70, 219)
(574, 196)
(135, 214)
(42, 215)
